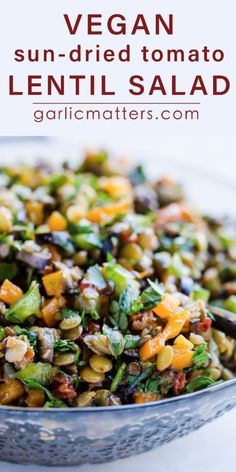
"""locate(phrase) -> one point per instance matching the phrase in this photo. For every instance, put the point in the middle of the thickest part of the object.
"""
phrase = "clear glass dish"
(76, 436)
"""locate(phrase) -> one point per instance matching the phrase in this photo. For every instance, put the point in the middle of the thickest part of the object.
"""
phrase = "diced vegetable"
(35, 212)
(51, 311)
(87, 241)
(165, 358)
(96, 215)
(132, 252)
(10, 293)
(201, 294)
(28, 305)
(167, 306)
(119, 275)
(172, 329)
(57, 222)
(183, 353)
(116, 186)
(230, 303)
(40, 372)
(53, 283)
(183, 343)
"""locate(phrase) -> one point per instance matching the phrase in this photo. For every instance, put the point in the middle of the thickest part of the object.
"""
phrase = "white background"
(26, 24)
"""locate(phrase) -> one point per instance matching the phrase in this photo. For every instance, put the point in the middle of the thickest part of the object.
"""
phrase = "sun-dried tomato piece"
(204, 325)
(85, 284)
(93, 327)
(63, 388)
(179, 383)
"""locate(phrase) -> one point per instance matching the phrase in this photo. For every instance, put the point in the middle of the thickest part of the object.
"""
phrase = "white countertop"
(210, 449)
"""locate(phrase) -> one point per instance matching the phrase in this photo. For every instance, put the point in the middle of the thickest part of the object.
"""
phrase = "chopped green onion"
(118, 377)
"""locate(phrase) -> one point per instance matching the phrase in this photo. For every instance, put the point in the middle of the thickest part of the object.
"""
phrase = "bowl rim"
(130, 406)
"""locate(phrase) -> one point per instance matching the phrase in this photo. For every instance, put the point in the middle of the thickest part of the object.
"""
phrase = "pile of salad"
(105, 279)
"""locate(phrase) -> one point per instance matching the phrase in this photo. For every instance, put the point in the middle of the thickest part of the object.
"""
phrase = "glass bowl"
(93, 435)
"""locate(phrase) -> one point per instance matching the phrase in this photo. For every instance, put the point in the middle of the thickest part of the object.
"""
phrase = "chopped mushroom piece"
(33, 255)
(46, 339)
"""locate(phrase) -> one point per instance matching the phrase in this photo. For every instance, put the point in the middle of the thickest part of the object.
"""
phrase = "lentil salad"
(104, 283)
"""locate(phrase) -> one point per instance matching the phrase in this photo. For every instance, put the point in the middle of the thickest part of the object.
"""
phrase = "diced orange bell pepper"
(181, 359)
(183, 343)
(35, 212)
(97, 214)
(171, 330)
(183, 353)
(152, 347)
(57, 222)
(116, 186)
(175, 324)
(53, 283)
(145, 397)
(138, 397)
(10, 293)
(167, 306)
(51, 311)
